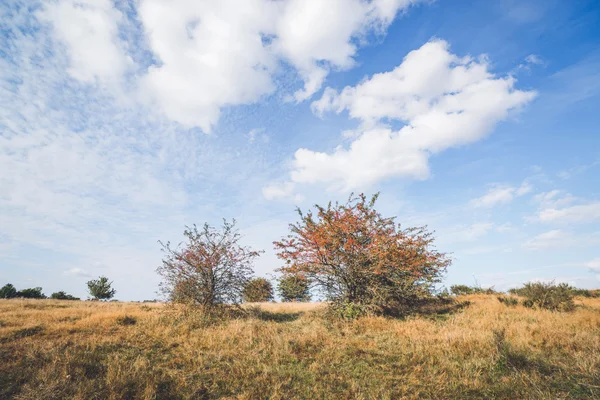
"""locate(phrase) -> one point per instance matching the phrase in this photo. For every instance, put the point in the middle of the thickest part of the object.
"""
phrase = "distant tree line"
(99, 289)
(8, 291)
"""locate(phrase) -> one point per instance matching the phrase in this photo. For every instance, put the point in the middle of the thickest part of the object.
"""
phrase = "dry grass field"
(91, 350)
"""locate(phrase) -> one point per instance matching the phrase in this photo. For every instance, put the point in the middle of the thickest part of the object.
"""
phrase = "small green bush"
(459, 290)
(63, 296)
(508, 301)
(347, 310)
(257, 290)
(548, 296)
(586, 292)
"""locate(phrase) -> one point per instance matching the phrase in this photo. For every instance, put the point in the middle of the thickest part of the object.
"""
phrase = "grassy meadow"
(54, 349)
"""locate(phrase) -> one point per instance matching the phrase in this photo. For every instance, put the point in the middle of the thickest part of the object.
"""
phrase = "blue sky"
(121, 122)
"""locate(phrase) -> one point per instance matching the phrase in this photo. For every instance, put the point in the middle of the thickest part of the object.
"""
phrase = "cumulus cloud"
(500, 195)
(444, 101)
(207, 55)
(315, 35)
(89, 30)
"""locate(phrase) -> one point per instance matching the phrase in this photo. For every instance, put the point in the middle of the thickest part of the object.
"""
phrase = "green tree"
(8, 291)
(62, 296)
(101, 288)
(293, 288)
(32, 293)
(258, 290)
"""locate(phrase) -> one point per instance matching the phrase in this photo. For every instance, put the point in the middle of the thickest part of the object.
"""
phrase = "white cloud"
(506, 227)
(89, 28)
(500, 195)
(211, 55)
(281, 191)
(214, 54)
(316, 35)
(549, 240)
(257, 133)
(77, 272)
(579, 169)
(474, 231)
(574, 214)
(444, 100)
(594, 264)
(554, 198)
(534, 59)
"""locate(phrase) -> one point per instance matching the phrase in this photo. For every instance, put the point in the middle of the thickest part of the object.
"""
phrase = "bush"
(63, 296)
(508, 301)
(586, 293)
(459, 290)
(8, 291)
(353, 254)
(293, 288)
(348, 311)
(547, 296)
(32, 293)
(258, 290)
(210, 269)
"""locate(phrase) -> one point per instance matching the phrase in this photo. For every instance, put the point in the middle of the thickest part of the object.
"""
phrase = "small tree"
(62, 296)
(357, 256)
(32, 293)
(101, 288)
(210, 268)
(8, 291)
(258, 290)
(293, 288)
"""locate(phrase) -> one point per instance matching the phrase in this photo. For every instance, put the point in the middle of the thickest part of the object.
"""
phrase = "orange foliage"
(355, 254)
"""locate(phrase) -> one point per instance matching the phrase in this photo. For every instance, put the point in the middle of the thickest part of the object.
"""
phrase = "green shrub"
(548, 296)
(459, 290)
(586, 292)
(63, 296)
(508, 301)
(347, 310)
(257, 290)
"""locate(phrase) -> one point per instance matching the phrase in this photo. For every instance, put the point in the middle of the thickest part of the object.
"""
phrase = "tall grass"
(88, 350)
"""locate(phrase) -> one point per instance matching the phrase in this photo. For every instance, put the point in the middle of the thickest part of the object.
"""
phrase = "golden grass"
(88, 350)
